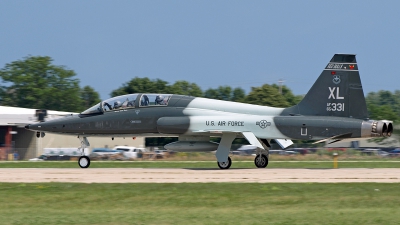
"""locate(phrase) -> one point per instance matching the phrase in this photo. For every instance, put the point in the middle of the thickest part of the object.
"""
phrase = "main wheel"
(261, 161)
(225, 165)
(84, 161)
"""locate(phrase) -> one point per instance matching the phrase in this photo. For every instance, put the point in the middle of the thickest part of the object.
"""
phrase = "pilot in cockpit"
(108, 105)
(145, 101)
(130, 103)
(117, 105)
(160, 100)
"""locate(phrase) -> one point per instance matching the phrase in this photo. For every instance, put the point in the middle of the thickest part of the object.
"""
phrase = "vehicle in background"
(291, 153)
(277, 152)
(39, 158)
(395, 152)
(65, 151)
(105, 153)
(245, 150)
(374, 151)
(160, 154)
(302, 151)
(131, 152)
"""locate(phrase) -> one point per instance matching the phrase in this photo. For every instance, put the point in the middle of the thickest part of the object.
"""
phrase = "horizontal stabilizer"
(335, 138)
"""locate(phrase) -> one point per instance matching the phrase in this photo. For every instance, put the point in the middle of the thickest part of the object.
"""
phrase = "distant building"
(15, 138)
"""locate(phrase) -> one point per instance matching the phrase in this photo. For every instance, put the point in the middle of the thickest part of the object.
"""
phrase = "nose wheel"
(225, 165)
(261, 161)
(84, 161)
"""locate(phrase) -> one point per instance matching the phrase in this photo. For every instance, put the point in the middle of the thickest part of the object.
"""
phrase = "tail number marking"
(335, 107)
(334, 66)
(332, 93)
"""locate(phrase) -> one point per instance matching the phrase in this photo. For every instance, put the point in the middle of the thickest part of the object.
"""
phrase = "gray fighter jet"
(333, 109)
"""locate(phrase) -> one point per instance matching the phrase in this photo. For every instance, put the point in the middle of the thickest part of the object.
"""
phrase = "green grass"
(209, 203)
(201, 164)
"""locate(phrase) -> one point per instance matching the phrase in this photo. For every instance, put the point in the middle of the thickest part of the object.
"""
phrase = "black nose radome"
(27, 127)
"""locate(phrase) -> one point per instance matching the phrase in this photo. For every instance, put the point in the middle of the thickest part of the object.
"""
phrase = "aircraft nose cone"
(27, 127)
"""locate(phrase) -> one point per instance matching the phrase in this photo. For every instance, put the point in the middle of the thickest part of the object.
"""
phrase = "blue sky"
(211, 43)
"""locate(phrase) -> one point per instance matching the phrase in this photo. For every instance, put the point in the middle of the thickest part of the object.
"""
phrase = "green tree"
(384, 105)
(288, 95)
(225, 93)
(89, 97)
(266, 95)
(185, 88)
(376, 101)
(238, 95)
(142, 85)
(35, 82)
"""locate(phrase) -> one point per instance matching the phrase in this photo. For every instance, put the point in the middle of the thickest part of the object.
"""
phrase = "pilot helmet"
(117, 104)
(159, 99)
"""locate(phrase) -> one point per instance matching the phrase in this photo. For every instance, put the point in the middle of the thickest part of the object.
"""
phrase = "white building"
(15, 138)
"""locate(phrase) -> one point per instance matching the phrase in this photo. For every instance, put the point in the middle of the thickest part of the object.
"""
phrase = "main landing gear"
(83, 161)
(261, 161)
(225, 165)
(222, 154)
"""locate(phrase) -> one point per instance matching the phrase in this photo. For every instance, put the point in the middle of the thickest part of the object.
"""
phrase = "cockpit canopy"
(124, 102)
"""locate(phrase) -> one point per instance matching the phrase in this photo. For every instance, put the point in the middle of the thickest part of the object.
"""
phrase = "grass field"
(200, 164)
(210, 203)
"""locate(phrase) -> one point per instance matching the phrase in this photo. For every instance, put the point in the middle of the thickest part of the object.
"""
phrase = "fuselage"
(184, 115)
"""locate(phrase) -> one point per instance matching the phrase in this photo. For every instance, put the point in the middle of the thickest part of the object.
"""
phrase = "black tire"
(261, 161)
(84, 161)
(225, 165)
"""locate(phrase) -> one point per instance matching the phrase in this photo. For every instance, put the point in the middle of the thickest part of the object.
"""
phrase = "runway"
(139, 175)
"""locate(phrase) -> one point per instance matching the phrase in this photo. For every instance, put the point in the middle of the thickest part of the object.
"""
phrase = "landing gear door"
(252, 139)
(284, 143)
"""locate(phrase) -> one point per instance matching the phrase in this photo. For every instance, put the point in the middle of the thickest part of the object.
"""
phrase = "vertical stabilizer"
(337, 91)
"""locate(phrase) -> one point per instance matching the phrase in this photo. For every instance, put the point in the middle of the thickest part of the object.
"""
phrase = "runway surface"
(138, 175)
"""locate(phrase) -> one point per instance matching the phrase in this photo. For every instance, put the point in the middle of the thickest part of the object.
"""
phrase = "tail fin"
(337, 91)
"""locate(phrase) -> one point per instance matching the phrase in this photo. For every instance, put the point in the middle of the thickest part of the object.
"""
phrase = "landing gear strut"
(261, 161)
(225, 165)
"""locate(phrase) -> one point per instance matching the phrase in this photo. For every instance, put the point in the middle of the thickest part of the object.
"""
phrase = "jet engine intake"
(381, 128)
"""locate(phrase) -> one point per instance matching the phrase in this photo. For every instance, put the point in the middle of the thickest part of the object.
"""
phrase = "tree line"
(35, 82)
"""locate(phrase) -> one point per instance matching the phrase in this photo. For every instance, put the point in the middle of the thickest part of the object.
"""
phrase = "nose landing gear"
(84, 161)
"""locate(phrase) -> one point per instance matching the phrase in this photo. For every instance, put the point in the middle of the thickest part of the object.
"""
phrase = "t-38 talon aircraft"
(332, 110)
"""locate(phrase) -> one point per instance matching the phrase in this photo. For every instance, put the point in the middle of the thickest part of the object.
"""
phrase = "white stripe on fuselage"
(199, 106)
(209, 115)
(260, 126)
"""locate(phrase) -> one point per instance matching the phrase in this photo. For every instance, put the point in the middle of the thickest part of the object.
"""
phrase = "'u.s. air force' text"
(225, 123)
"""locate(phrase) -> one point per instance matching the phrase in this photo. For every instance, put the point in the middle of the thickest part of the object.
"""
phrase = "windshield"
(94, 109)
